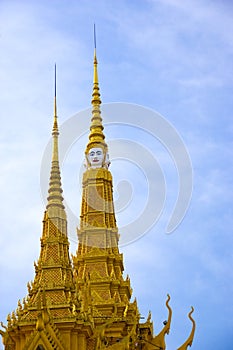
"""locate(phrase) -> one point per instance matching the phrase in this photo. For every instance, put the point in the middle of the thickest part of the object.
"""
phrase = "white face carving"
(96, 157)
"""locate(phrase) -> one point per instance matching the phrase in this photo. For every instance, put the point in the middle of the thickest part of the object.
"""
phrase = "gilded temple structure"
(84, 303)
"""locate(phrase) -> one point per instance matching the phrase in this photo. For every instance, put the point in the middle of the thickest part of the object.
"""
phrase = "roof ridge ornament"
(189, 341)
(159, 340)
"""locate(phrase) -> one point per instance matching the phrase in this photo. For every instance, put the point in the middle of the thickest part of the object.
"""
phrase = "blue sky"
(171, 56)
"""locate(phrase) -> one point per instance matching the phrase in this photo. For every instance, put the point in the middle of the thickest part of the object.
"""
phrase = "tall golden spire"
(53, 271)
(96, 136)
(98, 262)
(55, 207)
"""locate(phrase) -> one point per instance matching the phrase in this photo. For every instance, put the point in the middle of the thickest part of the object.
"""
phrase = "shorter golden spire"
(55, 199)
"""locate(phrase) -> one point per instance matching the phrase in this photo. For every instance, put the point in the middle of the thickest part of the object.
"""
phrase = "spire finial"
(95, 79)
(55, 125)
(94, 37)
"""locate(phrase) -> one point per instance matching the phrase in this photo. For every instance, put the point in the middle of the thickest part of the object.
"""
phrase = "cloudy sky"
(169, 56)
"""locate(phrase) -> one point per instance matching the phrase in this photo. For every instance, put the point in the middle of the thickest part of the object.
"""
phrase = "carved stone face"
(96, 157)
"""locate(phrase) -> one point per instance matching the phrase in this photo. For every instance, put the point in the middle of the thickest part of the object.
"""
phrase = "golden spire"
(96, 137)
(55, 207)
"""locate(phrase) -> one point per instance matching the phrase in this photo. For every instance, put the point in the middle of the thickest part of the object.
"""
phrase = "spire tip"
(55, 80)
(94, 37)
(55, 126)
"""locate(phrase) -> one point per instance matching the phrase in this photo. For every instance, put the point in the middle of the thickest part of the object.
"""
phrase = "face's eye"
(92, 153)
(99, 153)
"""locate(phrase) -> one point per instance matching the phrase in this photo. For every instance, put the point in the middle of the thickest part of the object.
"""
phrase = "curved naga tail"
(159, 340)
(189, 341)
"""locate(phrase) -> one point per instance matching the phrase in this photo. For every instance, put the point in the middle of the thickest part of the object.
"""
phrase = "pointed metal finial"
(55, 80)
(94, 37)
(55, 126)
